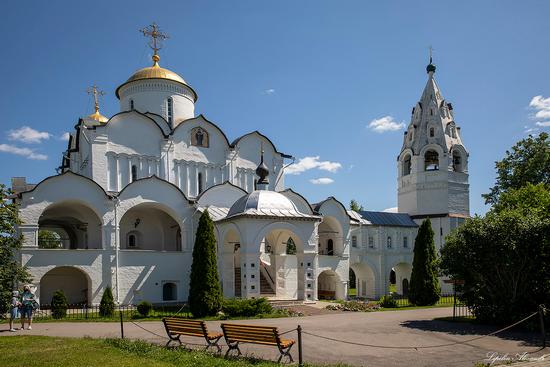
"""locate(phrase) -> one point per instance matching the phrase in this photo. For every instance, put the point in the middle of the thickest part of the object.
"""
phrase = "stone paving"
(385, 329)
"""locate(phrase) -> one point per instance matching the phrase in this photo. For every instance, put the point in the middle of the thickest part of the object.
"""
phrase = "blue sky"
(311, 75)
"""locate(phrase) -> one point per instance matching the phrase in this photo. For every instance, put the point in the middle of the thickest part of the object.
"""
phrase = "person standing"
(14, 308)
(27, 300)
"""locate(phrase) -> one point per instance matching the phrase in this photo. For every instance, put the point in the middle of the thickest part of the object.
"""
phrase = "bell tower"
(433, 164)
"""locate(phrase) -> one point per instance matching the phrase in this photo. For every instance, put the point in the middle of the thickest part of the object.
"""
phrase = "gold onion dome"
(153, 72)
(98, 117)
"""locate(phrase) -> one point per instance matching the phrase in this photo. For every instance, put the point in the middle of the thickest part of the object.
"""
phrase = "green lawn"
(46, 351)
(352, 292)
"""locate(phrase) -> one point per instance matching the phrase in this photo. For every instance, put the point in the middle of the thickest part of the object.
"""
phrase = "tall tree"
(527, 162)
(504, 257)
(205, 296)
(354, 205)
(424, 288)
(11, 271)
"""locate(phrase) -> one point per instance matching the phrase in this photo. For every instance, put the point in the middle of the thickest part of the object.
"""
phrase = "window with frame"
(199, 137)
(169, 292)
(388, 242)
(131, 104)
(371, 242)
(432, 132)
(354, 241)
(170, 111)
(405, 242)
(134, 173)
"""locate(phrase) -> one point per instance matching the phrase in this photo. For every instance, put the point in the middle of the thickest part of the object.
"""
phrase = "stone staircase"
(265, 287)
(238, 282)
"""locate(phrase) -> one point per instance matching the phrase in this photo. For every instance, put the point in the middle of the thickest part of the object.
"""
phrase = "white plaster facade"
(125, 207)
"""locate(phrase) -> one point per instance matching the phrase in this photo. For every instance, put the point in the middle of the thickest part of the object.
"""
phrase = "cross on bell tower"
(156, 37)
(96, 93)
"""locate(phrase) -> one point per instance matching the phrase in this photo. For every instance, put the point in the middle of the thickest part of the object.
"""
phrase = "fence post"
(300, 357)
(542, 330)
(454, 301)
(86, 310)
(121, 325)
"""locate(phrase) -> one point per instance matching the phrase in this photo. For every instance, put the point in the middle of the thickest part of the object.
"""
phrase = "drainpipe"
(115, 200)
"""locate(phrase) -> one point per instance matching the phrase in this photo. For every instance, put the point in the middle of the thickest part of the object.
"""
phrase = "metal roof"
(266, 203)
(388, 219)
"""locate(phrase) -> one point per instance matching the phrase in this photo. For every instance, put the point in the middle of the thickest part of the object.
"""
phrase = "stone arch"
(329, 286)
(281, 226)
(77, 224)
(73, 281)
(365, 280)
(331, 237)
(229, 262)
(402, 271)
(459, 152)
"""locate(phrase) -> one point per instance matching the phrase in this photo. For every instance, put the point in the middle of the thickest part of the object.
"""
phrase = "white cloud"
(27, 134)
(65, 136)
(307, 163)
(269, 91)
(531, 130)
(384, 124)
(542, 106)
(321, 181)
(390, 210)
(543, 123)
(25, 152)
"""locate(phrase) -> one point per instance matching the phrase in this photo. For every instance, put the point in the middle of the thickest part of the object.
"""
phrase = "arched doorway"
(401, 274)
(74, 282)
(329, 286)
(148, 226)
(365, 280)
(231, 264)
(330, 237)
(69, 225)
(352, 290)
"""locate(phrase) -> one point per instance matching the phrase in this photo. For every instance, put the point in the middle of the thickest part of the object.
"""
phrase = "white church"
(124, 208)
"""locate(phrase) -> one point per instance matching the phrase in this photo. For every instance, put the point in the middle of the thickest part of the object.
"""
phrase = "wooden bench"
(177, 326)
(253, 334)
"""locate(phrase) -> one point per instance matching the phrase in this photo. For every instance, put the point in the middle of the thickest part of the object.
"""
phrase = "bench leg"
(285, 353)
(233, 346)
(214, 343)
(173, 340)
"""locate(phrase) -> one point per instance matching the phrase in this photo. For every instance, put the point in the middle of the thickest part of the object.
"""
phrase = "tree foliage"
(48, 239)
(107, 304)
(504, 257)
(205, 296)
(59, 305)
(11, 272)
(424, 288)
(527, 162)
(355, 206)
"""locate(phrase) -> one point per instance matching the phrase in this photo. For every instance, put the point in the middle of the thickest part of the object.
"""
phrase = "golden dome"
(98, 117)
(153, 72)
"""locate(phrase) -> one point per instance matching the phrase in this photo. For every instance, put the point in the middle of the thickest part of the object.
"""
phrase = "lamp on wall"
(137, 222)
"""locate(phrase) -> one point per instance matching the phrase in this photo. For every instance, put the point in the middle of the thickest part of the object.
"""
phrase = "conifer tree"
(59, 305)
(107, 304)
(424, 288)
(205, 296)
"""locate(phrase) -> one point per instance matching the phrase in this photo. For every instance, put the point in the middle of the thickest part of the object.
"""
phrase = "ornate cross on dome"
(156, 38)
(96, 93)
(431, 51)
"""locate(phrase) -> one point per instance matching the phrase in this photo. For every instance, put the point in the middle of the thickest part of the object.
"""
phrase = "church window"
(132, 239)
(371, 242)
(388, 242)
(255, 184)
(199, 137)
(170, 111)
(431, 112)
(354, 241)
(457, 162)
(431, 161)
(405, 242)
(199, 182)
(134, 172)
(131, 104)
(407, 165)
(453, 132)
(169, 292)
(330, 248)
(432, 132)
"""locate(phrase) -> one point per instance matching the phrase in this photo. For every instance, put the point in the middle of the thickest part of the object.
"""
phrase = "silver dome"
(265, 203)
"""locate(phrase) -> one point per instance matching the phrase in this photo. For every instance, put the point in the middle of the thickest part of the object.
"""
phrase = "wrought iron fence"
(92, 312)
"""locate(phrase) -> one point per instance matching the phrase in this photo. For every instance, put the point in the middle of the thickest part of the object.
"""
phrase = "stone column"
(250, 275)
(307, 276)
(30, 234)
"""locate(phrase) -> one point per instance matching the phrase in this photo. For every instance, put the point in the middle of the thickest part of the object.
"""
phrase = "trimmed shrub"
(424, 289)
(388, 302)
(246, 307)
(107, 304)
(205, 294)
(59, 305)
(144, 308)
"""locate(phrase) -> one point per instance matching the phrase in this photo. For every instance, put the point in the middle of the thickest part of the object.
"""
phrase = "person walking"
(27, 300)
(14, 308)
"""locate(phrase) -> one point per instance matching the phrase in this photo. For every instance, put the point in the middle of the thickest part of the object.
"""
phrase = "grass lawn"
(47, 351)
(352, 292)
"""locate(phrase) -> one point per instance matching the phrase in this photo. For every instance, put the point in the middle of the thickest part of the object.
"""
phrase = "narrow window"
(431, 112)
(371, 242)
(330, 248)
(407, 165)
(388, 244)
(134, 172)
(405, 242)
(457, 162)
(354, 241)
(432, 132)
(170, 111)
(131, 104)
(199, 182)
(255, 184)
(169, 292)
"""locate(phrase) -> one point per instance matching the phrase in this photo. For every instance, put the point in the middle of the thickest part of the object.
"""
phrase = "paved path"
(391, 328)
